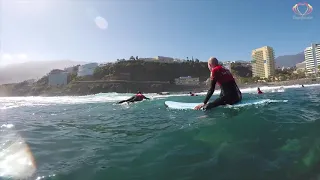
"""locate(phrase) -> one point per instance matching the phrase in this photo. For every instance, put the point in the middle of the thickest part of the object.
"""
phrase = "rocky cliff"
(148, 77)
(153, 71)
(124, 77)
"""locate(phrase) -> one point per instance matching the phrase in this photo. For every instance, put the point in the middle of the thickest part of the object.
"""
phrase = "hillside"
(135, 75)
(125, 76)
(289, 60)
(152, 71)
(239, 70)
(31, 70)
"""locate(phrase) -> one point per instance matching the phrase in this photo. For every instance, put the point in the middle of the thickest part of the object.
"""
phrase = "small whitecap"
(101, 22)
(7, 125)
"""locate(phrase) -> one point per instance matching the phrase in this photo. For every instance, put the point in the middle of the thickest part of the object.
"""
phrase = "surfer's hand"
(199, 106)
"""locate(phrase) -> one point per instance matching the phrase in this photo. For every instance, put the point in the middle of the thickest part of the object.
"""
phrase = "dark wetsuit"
(137, 97)
(230, 93)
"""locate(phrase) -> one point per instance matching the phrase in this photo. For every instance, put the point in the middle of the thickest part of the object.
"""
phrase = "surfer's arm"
(127, 100)
(210, 91)
(145, 97)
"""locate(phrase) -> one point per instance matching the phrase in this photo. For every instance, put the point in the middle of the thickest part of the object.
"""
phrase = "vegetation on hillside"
(244, 74)
(137, 70)
(153, 71)
(289, 74)
(240, 70)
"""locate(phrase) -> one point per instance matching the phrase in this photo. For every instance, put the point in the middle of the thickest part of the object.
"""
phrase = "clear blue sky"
(227, 29)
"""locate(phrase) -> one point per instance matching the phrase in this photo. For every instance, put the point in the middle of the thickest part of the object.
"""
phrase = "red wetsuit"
(230, 93)
(139, 97)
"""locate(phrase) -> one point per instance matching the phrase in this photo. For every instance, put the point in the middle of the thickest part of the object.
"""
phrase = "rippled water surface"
(91, 137)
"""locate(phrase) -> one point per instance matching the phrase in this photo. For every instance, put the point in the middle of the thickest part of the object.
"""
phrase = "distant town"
(162, 73)
(262, 65)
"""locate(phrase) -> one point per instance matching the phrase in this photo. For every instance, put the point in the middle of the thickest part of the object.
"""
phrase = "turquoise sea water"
(92, 138)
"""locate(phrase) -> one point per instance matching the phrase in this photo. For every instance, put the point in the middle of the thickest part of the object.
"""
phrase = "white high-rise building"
(312, 58)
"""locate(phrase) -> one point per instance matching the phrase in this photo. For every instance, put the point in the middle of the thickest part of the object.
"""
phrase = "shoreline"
(304, 81)
(83, 89)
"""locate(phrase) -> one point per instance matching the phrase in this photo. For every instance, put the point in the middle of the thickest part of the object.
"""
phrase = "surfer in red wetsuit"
(192, 94)
(230, 93)
(259, 91)
(138, 97)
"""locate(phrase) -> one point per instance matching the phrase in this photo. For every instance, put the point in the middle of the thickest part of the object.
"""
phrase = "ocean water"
(93, 138)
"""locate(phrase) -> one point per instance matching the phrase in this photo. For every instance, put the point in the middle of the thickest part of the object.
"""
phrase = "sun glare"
(7, 58)
(16, 159)
(27, 6)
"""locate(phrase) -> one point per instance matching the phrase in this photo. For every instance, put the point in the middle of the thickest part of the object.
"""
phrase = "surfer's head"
(212, 62)
(138, 92)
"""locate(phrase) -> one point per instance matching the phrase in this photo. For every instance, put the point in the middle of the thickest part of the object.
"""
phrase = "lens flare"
(16, 159)
(101, 22)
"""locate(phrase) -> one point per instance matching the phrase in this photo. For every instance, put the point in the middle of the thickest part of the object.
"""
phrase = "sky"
(107, 30)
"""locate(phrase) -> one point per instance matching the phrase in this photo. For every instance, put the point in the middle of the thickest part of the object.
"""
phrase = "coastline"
(91, 88)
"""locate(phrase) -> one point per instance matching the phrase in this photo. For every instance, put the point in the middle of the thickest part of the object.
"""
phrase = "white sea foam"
(14, 102)
(7, 126)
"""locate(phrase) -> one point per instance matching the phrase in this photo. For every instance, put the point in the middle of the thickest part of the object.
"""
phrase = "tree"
(75, 68)
(255, 78)
(301, 74)
(246, 79)
(98, 72)
(73, 77)
(197, 60)
(240, 70)
(137, 58)
(131, 58)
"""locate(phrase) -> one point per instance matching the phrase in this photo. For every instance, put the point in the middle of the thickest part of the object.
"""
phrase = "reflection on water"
(16, 160)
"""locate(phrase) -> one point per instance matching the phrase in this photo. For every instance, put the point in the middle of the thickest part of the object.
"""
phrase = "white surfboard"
(182, 105)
